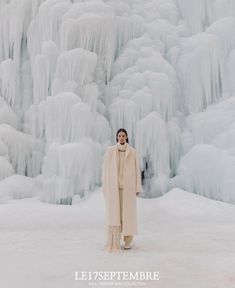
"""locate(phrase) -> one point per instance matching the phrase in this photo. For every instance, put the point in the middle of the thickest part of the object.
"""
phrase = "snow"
(17, 187)
(190, 241)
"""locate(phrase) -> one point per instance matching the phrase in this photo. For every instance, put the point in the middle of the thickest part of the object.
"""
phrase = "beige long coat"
(131, 185)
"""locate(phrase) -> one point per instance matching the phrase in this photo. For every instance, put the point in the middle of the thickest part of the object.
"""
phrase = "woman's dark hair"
(122, 130)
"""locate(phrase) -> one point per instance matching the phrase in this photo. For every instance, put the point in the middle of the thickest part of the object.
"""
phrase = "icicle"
(176, 149)
(8, 115)
(208, 171)
(44, 70)
(200, 14)
(152, 74)
(208, 166)
(101, 131)
(90, 96)
(25, 152)
(224, 29)
(5, 32)
(70, 169)
(153, 145)
(45, 27)
(194, 13)
(76, 65)
(163, 94)
(82, 120)
(200, 82)
(8, 76)
(222, 8)
(123, 113)
(40, 80)
(231, 74)
(93, 26)
(6, 168)
(144, 107)
(55, 116)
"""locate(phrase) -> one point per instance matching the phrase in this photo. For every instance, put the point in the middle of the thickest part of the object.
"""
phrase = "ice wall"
(208, 166)
(23, 151)
(200, 14)
(71, 169)
(73, 72)
(17, 187)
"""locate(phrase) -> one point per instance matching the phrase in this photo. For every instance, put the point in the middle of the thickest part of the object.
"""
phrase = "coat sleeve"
(138, 174)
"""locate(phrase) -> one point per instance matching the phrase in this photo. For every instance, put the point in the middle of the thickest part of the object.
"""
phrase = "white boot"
(128, 240)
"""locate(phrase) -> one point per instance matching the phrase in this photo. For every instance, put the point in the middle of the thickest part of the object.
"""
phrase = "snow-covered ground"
(187, 238)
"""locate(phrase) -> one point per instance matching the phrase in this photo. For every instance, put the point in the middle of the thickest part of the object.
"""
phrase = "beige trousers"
(114, 232)
(127, 239)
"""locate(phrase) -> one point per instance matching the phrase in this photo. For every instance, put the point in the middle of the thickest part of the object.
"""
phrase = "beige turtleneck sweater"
(121, 159)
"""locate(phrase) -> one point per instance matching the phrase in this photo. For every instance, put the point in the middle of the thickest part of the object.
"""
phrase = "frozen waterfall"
(72, 72)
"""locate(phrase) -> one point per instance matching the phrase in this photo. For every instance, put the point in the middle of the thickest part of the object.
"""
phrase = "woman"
(121, 182)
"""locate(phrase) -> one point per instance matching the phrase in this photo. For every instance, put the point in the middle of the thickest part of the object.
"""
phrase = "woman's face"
(121, 137)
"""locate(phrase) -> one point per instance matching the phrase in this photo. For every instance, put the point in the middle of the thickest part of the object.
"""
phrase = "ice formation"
(8, 81)
(6, 168)
(17, 187)
(24, 151)
(73, 72)
(71, 169)
(208, 171)
(208, 166)
(201, 14)
(199, 69)
(55, 116)
(8, 115)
